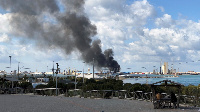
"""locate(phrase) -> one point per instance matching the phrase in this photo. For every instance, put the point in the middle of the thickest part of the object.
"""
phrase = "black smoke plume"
(61, 24)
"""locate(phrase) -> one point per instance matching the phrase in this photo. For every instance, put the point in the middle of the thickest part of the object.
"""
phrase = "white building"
(165, 68)
(89, 76)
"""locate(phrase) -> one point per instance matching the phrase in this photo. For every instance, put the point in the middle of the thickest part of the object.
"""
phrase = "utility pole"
(160, 66)
(10, 60)
(53, 71)
(146, 75)
(75, 79)
(18, 70)
(56, 80)
(93, 68)
(11, 71)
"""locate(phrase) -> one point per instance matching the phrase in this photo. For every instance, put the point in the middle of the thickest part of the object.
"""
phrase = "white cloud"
(4, 38)
(4, 23)
(166, 21)
(142, 9)
(128, 57)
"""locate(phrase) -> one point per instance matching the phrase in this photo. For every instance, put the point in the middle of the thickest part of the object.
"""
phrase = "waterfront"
(97, 91)
(182, 79)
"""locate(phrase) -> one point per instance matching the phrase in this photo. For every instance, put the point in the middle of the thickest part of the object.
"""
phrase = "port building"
(165, 68)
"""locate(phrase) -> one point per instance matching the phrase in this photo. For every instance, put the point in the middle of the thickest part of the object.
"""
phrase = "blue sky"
(2, 11)
(179, 8)
(140, 32)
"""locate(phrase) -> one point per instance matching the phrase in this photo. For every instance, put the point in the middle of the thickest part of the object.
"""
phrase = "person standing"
(173, 99)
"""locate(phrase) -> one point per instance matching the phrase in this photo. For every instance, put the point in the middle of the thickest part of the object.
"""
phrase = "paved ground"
(34, 103)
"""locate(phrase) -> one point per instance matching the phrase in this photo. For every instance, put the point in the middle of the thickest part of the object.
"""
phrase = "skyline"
(140, 32)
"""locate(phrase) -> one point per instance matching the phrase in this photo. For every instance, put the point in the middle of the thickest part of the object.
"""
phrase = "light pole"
(186, 66)
(53, 70)
(75, 79)
(160, 67)
(11, 71)
(172, 71)
(56, 80)
(10, 60)
(146, 75)
(18, 70)
(93, 68)
(83, 72)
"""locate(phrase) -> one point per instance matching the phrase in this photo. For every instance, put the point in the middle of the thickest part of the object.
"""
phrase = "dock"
(131, 76)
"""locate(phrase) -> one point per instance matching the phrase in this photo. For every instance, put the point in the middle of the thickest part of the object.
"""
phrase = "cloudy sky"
(140, 32)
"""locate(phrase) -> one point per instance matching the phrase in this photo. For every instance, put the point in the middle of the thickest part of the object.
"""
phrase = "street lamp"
(12, 78)
(10, 61)
(186, 66)
(18, 70)
(56, 80)
(75, 79)
(93, 68)
(53, 71)
(146, 75)
(11, 71)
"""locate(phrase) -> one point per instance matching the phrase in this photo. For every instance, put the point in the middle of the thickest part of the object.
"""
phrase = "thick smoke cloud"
(61, 24)
(29, 7)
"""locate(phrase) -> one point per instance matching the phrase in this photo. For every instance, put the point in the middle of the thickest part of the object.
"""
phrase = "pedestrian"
(173, 99)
